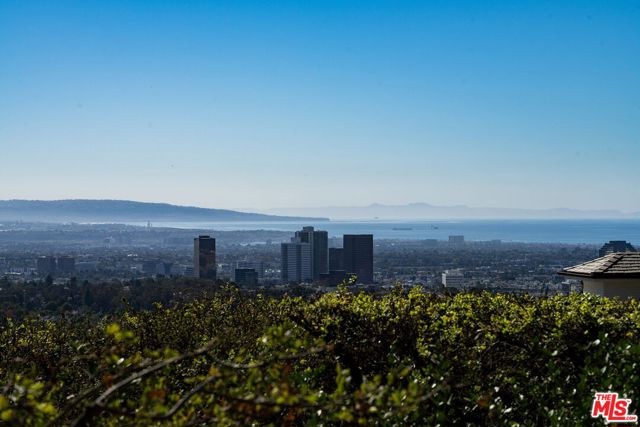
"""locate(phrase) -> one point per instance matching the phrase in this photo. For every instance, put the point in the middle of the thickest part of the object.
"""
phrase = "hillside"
(123, 211)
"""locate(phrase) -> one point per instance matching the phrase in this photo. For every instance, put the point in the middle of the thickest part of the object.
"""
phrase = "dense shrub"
(338, 359)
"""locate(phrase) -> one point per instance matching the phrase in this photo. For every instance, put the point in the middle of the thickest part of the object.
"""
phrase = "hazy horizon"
(271, 209)
(121, 210)
(257, 106)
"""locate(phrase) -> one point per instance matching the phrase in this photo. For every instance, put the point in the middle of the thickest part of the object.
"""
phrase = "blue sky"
(279, 103)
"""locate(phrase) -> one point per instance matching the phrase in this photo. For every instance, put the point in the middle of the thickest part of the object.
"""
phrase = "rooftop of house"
(614, 265)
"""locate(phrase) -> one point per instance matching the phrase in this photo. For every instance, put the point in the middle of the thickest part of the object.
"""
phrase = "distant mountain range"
(120, 211)
(123, 211)
(418, 211)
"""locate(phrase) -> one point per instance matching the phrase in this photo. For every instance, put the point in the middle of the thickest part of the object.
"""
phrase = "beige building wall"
(623, 288)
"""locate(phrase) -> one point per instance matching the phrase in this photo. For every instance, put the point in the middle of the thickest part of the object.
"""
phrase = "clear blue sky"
(264, 104)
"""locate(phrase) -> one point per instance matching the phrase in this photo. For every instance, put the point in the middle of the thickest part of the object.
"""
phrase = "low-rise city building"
(247, 277)
(454, 279)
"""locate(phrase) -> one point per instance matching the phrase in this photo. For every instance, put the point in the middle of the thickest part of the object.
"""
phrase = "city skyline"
(258, 106)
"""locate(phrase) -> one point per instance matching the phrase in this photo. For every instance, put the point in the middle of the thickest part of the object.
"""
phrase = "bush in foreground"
(339, 359)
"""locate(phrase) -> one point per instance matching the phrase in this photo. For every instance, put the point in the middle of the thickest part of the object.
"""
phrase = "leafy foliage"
(402, 358)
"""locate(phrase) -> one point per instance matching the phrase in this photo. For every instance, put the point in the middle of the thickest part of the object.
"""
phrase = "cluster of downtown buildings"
(307, 258)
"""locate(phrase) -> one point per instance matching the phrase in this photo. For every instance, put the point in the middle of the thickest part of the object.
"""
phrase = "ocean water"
(528, 231)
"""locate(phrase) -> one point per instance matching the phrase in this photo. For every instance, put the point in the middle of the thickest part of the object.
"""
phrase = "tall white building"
(453, 279)
(297, 265)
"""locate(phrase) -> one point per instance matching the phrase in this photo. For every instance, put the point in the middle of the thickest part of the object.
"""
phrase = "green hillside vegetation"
(339, 359)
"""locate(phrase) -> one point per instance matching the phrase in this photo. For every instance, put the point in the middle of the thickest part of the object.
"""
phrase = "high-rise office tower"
(336, 259)
(319, 241)
(358, 256)
(296, 261)
(204, 257)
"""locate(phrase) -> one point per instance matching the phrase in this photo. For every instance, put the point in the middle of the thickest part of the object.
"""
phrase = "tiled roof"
(619, 264)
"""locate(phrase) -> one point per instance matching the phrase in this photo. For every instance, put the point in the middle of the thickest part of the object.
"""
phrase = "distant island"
(117, 211)
(425, 211)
